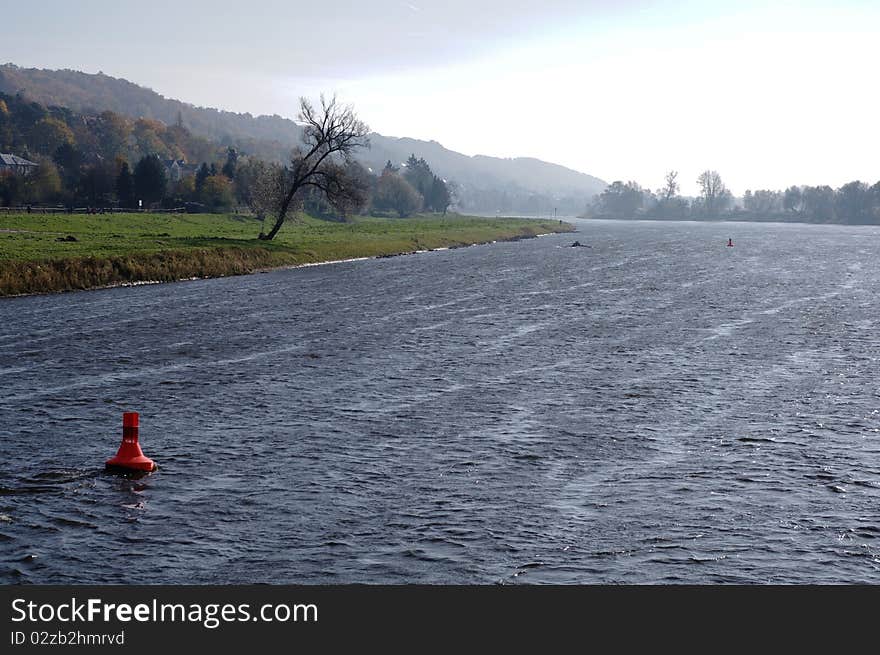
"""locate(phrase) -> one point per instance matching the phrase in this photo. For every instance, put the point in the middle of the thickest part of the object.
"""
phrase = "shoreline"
(389, 256)
(251, 270)
(720, 220)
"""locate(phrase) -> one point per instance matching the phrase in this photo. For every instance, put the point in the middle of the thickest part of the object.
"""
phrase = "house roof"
(13, 160)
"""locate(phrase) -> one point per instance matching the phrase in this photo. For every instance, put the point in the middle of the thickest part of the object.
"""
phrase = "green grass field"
(37, 253)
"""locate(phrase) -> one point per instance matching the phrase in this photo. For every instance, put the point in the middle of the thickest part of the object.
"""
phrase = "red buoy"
(130, 455)
(729, 242)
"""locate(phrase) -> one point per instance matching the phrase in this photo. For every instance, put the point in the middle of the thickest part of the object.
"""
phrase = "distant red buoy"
(730, 242)
(130, 455)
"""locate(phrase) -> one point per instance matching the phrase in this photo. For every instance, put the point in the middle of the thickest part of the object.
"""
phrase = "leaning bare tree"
(331, 135)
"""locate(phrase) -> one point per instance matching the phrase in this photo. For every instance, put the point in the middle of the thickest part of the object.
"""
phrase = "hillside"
(486, 184)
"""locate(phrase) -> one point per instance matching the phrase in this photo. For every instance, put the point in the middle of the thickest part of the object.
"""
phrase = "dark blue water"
(656, 408)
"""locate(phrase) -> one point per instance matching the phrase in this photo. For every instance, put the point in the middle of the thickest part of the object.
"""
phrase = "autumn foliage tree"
(50, 133)
(217, 193)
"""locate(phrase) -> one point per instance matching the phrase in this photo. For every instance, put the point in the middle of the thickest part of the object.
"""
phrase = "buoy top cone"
(130, 456)
(730, 242)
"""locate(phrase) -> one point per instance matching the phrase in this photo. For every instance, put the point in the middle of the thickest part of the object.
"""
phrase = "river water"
(657, 408)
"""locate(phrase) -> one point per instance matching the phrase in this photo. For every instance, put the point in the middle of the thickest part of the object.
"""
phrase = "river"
(657, 408)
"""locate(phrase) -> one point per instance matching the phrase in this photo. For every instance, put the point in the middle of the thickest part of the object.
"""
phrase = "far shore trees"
(854, 200)
(670, 189)
(669, 203)
(621, 200)
(331, 136)
(714, 196)
(819, 202)
(763, 202)
(793, 200)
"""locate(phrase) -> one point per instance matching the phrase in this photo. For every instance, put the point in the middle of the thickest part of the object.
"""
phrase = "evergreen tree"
(125, 187)
(69, 159)
(231, 163)
(439, 198)
(149, 180)
(201, 175)
(97, 184)
(419, 175)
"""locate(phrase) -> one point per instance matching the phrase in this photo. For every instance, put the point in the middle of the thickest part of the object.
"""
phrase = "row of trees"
(854, 202)
(631, 200)
(149, 184)
(117, 184)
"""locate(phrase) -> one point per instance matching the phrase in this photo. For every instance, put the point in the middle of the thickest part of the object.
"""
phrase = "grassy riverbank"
(41, 253)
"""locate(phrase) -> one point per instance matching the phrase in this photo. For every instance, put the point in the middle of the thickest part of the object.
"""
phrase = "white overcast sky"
(768, 93)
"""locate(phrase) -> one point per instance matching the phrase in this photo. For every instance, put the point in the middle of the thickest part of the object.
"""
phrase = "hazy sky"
(769, 94)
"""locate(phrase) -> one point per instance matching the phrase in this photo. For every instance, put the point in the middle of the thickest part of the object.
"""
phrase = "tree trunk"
(277, 226)
(282, 213)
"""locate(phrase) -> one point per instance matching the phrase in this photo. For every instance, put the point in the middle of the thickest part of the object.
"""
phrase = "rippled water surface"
(655, 408)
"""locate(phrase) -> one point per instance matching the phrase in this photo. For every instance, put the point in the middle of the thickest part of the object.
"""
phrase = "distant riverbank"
(44, 253)
(732, 218)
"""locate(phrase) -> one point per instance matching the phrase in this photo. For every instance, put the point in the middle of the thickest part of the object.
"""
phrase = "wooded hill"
(481, 183)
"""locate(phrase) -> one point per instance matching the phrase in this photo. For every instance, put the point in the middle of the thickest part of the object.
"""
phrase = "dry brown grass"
(90, 272)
